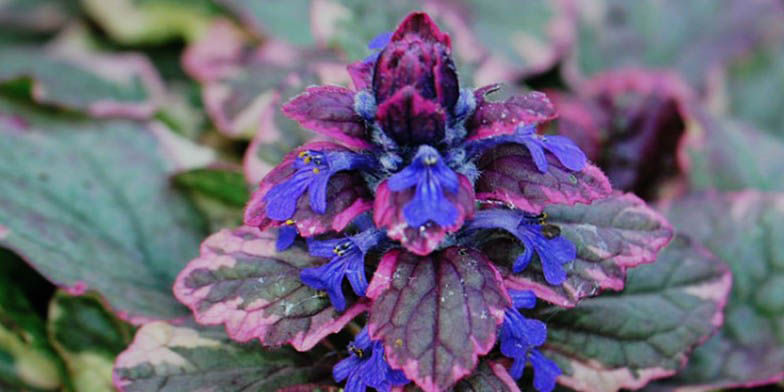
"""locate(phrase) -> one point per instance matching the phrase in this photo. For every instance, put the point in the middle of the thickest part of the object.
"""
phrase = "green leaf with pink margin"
(436, 314)
(700, 37)
(219, 192)
(100, 84)
(508, 174)
(37, 15)
(721, 153)
(137, 22)
(489, 376)
(90, 206)
(611, 236)
(241, 281)
(287, 21)
(624, 340)
(188, 357)
(745, 231)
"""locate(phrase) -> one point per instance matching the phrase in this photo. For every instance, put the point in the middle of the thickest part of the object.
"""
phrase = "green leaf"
(626, 339)
(67, 74)
(285, 20)
(724, 154)
(88, 338)
(745, 231)
(37, 15)
(219, 193)
(698, 35)
(488, 377)
(27, 360)
(136, 22)
(165, 357)
(89, 205)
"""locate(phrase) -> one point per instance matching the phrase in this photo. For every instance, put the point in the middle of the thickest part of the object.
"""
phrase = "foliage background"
(133, 128)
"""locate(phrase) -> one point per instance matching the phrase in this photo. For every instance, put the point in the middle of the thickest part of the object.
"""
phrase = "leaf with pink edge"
(90, 206)
(611, 235)
(700, 37)
(436, 314)
(329, 110)
(744, 230)
(100, 84)
(187, 357)
(388, 213)
(493, 118)
(634, 120)
(626, 339)
(242, 281)
(509, 174)
(489, 376)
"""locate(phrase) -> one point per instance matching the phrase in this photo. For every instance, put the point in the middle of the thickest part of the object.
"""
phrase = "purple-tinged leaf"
(709, 35)
(611, 235)
(489, 376)
(410, 119)
(242, 281)
(743, 230)
(509, 174)
(188, 357)
(436, 314)
(99, 84)
(719, 153)
(624, 340)
(388, 213)
(636, 118)
(347, 197)
(75, 194)
(419, 25)
(361, 73)
(493, 118)
(329, 110)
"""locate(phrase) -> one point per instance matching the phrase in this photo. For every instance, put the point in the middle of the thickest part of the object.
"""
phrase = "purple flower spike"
(366, 367)
(571, 156)
(545, 240)
(347, 260)
(312, 172)
(432, 177)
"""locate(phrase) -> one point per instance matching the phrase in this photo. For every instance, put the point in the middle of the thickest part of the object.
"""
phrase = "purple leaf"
(492, 118)
(436, 314)
(509, 174)
(329, 110)
(242, 281)
(347, 197)
(360, 72)
(624, 340)
(611, 235)
(388, 213)
(744, 230)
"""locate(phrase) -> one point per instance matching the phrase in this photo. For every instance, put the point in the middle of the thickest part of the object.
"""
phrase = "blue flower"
(520, 335)
(545, 240)
(347, 259)
(366, 367)
(286, 236)
(568, 153)
(378, 43)
(313, 171)
(562, 147)
(432, 177)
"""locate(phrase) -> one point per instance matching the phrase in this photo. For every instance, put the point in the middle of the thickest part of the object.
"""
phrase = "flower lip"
(367, 367)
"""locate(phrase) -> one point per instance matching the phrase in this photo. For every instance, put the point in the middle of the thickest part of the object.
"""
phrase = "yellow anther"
(303, 153)
(290, 222)
(306, 159)
(431, 160)
(316, 170)
(399, 343)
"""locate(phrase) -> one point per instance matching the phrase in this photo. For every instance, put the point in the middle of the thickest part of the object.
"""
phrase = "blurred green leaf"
(88, 338)
(219, 193)
(287, 20)
(37, 15)
(89, 204)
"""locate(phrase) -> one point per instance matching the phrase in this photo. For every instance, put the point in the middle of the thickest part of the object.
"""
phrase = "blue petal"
(429, 204)
(362, 339)
(553, 254)
(523, 298)
(328, 277)
(286, 236)
(404, 179)
(355, 272)
(380, 41)
(355, 383)
(343, 369)
(537, 153)
(318, 192)
(507, 220)
(516, 371)
(324, 248)
(282, 198)
(566, 151)
(545, 371)
(520, 334)
(522, 261)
